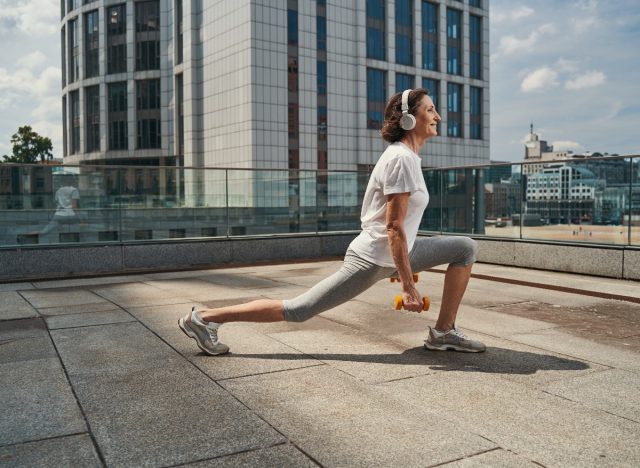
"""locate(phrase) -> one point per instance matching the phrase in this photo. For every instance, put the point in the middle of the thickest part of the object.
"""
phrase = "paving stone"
(38, 399)
(21, 329)
(534, 424)
(148, 406)
(77, 309)
(26, 349)
(240, 280)
(88, 319)
(138, 295)
(77, 450)
(562, 342)
(251, 351)
(513, 361)
(367, 357)
(63, 297)
(75, 282)
(495, 459)
(612, 390)
(13, 306)
(340, 421)
(15, 286)
(200, 290)
(280, 456)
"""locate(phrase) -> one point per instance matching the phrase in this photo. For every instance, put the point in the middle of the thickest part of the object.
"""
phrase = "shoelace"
(213, 333)
(457, 332)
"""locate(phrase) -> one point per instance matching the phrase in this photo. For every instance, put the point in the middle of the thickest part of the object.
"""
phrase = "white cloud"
(32, 18)
(586, 80)
(33, 60)
(566, 65)
(513, 15)
(541, 78)
(510, 45)
(562, 145)
(581, 25)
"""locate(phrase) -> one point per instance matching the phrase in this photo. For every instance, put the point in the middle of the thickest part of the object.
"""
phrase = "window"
(72, 5)
(475, 3)
(147, 35)
(180, 41)
(403, 82)
(430, 36)
(92, 114)
(292, 26)
(434, 89)
(180, 112)
(148, 113)
(74, 51)
(454, 42)
(116, 39)
(454, 110)
(322, 77)
(475, 46)
(376, 29)
(64, 125)
(321, 31)
(91, 62)
(376, 97)
(117, 106)
(63, 50)
(476, 112)
(75, 122)
(404, 32)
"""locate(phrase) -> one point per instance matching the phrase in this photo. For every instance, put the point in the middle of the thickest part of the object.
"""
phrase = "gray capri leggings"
(357, 274)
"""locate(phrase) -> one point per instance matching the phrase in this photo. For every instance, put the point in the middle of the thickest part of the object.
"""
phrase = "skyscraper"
(268, 84)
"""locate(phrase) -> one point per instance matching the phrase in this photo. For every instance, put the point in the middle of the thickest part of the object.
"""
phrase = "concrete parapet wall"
(25, 263)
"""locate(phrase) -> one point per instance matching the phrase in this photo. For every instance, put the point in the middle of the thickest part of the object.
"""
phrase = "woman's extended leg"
(261, 310)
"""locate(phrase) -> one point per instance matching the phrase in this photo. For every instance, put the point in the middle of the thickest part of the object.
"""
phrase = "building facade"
(268, 84)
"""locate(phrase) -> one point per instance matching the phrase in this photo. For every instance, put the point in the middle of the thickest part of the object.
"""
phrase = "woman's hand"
(412, 300)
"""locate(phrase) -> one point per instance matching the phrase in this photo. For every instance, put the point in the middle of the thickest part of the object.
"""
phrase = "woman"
(393, 204)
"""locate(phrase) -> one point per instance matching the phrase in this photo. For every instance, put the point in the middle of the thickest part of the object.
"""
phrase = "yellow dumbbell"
(395, 279)
(399, 303)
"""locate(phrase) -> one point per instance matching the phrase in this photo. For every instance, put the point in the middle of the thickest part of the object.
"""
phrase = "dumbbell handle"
(399, 303)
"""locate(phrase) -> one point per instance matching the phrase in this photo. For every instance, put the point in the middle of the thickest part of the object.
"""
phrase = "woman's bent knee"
(468, 249)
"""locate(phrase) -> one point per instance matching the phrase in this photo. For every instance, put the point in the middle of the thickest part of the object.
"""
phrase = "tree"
(28, 147)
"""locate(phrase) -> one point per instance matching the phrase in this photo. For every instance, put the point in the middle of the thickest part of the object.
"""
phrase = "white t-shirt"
(397, 171)
(64, 197)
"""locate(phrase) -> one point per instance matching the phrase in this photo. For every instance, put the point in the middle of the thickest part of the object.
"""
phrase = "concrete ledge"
(611, 261)
(29, 263)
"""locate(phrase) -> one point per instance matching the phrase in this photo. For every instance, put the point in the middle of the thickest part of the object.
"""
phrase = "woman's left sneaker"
(205, 333)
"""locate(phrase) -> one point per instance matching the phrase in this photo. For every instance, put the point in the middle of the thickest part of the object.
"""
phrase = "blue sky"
(571, 67)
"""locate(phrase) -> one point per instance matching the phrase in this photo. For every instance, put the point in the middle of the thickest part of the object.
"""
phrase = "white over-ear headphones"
(407, 121)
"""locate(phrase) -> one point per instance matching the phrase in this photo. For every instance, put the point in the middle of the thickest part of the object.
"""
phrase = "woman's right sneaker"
(205, 333)
(454, 340)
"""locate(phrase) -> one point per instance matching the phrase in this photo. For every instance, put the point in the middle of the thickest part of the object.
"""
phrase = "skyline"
(573, 79)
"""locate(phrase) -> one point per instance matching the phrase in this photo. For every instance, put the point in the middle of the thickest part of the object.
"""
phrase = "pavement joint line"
(93, 325)
(44, 439)
(466, 456)
(565, 289)
(77, 400)
(405, 378)
(590, 407)
(207, 376)
(225, 455)
(320, 363)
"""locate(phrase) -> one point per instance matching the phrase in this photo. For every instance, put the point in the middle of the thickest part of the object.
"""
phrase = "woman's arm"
(397, 205)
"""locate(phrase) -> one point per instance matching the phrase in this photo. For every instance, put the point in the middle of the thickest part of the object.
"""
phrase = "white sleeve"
(397, 177)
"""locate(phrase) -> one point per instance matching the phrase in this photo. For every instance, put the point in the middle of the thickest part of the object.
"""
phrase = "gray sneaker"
(206, 336)
(454, 340)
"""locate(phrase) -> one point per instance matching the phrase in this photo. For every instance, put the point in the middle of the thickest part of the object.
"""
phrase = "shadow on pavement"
(494, 360)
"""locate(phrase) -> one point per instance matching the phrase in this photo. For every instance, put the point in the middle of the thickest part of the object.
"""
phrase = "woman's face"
(427, 118)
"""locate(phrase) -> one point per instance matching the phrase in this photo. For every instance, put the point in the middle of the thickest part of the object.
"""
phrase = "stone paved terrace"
(96, 372)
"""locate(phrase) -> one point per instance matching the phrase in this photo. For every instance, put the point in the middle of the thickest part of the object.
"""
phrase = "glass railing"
(593, 200)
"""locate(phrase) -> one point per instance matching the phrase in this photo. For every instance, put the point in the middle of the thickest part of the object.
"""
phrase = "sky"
(570, 67)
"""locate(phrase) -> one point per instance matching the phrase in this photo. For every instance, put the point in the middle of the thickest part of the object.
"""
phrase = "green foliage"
(29, 147)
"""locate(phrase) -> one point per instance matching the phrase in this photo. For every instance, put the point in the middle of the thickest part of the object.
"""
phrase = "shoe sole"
(191, 334)
(450, 347)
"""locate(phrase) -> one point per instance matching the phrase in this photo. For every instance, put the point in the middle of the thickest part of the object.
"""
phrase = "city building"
(288, 84)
